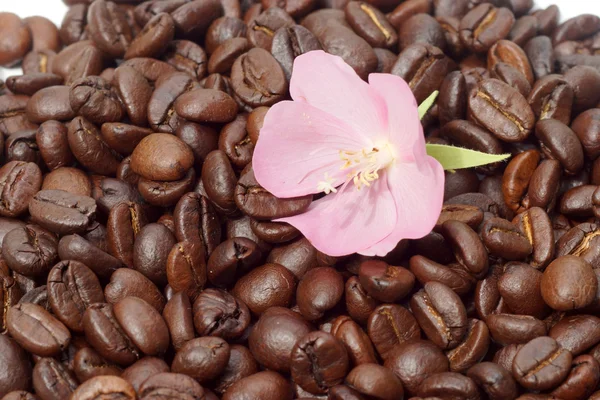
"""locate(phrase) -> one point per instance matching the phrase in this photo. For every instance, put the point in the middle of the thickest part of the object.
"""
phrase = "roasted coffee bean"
(580, 241)
(16, 39)
(19, 182)
(258, 384)
(186, 267)
(493, 100)
(203, 358)
(453, 276)
(50, 103)
(541, 364)
(22, 146)
(358, 303)
(206, 105)
(262, 28)
(201, 139)
(88, 364)
(318, 362)
(143, 324)
(218, 313)
(169, 87)
(505, 51)
(151, 252)
(196, 222)
(559, 142)
(18, 377)
(29, 84)
(578, 201)
(472, 349)
(148, 159)
(125, 222)
(179, 319)
(222, 59)
(52, 380)
(508, 329)
(89, 149)
(421, 29)
(143, 369)
(230, 257)
(371, 24)
(126, 282)
(291, 42)
(494, 380)
(30, 250)
(249, 78)
(468, 248)
(389, 325)
(263, 340)
(576, 333)
(484, 25)
(62, 212)
(440, 313)
(236, 143)
(537, 227)
(221, 30)
(107, 337)
(425, 360)
(448, 384)
(72, 288)
(452, 102)
(105, 386)
(219, 181)
(254, 288)
(53, 144)
(108, 28)
(36, 330)
(384, 282)
(504, 239)
(517, 177)
(511, 76)
(424, 68)
(585, 371)
(540, 52)
(357, 343)
(585, 82)
(171, 385)
(568, 283)
(587, 128)
(319, 290)
(576, 28)
(10, 294)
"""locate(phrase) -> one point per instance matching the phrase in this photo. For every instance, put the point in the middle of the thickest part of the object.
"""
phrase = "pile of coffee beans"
(139, 259)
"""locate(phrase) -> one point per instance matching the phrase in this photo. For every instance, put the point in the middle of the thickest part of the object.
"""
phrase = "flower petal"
(298, 144)
(406, 131)
(339, 224)
(328, 83)
(418, 191)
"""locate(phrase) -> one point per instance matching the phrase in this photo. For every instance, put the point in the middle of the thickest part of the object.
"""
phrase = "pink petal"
(418, 191)
(339, 224)
(298, 144)
(328, 83)
(406, 131)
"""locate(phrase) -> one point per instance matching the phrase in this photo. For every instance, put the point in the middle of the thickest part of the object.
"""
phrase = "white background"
(55, 10)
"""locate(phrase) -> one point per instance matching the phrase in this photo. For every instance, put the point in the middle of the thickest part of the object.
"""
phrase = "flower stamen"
(366, 163)
(326, 186)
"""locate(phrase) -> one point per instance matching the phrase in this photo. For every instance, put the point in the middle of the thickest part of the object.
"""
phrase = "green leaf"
(452, 157)
(427, 104)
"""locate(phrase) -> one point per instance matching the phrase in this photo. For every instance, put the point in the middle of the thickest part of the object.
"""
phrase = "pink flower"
(361, 144)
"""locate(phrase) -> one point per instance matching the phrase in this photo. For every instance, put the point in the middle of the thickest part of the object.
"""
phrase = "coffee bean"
(448, 384)
(494, 380)
(126, 282)
(19, 375)
(72, 288)
(541, 364)
(494, 99)
(371, 24)
(440, 313)
(218, 313)
(105, 386)
(203, 358)
(425, 358)
(108, 28)
(88, 364)
(172, 385)
(423, 67)
(389, 325)
(468, 248)
(30, 250)
(249, 82)
(263, 343)
(585, 371)
(36, 330)
(318, 362)
(206, 105)
(559, 142)
(291, 42)
(484, 25)
(62, 212)
(148, 158)
(52, 380)
(19, 182)
(319, 290)
(576, 333)
(259, 384)
(585, 81)
(568, 283)
(16, 39)
(196, 222)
